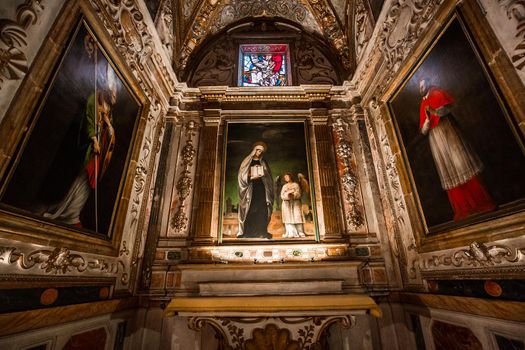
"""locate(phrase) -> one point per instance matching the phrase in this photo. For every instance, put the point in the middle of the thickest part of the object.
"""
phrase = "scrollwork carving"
(363, 27)
(13, 60)
(271, 333)
(198, 30)
(332, 29)
(515, 9)
(476, 255)
(61, 261)
(165, 27)
(404, 24)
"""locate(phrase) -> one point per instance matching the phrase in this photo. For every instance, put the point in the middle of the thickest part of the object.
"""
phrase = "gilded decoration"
(236, 10)
(198, 30)
(13, 40)
(333, 30)
(214, 15)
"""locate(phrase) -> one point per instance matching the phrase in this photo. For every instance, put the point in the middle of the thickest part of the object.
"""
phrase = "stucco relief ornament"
(349, 180)
(363, 27)
(477, 255)
(406, 20)
(515, 9)
(179, 221)
(13, 61)
(57, 261)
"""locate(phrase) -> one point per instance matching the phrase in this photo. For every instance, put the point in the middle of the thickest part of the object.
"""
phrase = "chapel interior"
(262, 174)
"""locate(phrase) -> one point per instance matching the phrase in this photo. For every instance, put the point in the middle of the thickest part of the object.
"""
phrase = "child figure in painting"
(292, 214)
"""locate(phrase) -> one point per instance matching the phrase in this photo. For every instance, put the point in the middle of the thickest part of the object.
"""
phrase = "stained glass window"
(264, 65)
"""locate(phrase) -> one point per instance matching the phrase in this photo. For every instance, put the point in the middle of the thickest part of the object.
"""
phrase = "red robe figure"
(457, 164)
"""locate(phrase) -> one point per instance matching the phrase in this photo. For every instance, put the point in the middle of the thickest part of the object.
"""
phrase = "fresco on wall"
(466, 158)
(70, 167)
(267, 188)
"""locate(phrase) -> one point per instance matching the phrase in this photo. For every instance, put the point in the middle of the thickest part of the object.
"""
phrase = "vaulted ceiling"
(197, 20)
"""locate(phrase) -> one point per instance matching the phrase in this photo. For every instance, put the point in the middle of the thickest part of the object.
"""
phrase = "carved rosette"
(272, 333)
(13, 40)
(179, 220)
(59, 261)
(348, 177)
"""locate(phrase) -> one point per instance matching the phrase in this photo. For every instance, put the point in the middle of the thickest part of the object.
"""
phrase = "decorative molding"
(133, 38)
(198, 30)
(476, 255)
(13, 35)
(349, 179)
(61, 261)
(332, 30)
(363, 27)
(301, 333)
(184, 186)
(515, 10)
(271, 254)
(399, 232)
(165, 27)
(406, 20)
(235, 10)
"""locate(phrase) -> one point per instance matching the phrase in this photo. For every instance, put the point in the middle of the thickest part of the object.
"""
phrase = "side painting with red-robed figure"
(465, 153)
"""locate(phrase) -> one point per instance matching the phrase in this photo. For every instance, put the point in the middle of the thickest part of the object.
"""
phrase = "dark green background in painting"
(286, 151)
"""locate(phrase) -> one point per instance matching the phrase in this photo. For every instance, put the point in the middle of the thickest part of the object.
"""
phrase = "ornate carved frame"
(18, 227)
(507, 82)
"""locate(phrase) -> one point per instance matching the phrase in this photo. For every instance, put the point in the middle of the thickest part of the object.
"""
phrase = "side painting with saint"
(71, 166)
(465, 153)
(266, 191)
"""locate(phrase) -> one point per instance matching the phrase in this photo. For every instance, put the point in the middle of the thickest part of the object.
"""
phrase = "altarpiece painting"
(70, 167)
(465, 153)
(267, 183)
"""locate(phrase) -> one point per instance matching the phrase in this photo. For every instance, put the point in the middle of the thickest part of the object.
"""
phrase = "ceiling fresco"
(199, 19)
